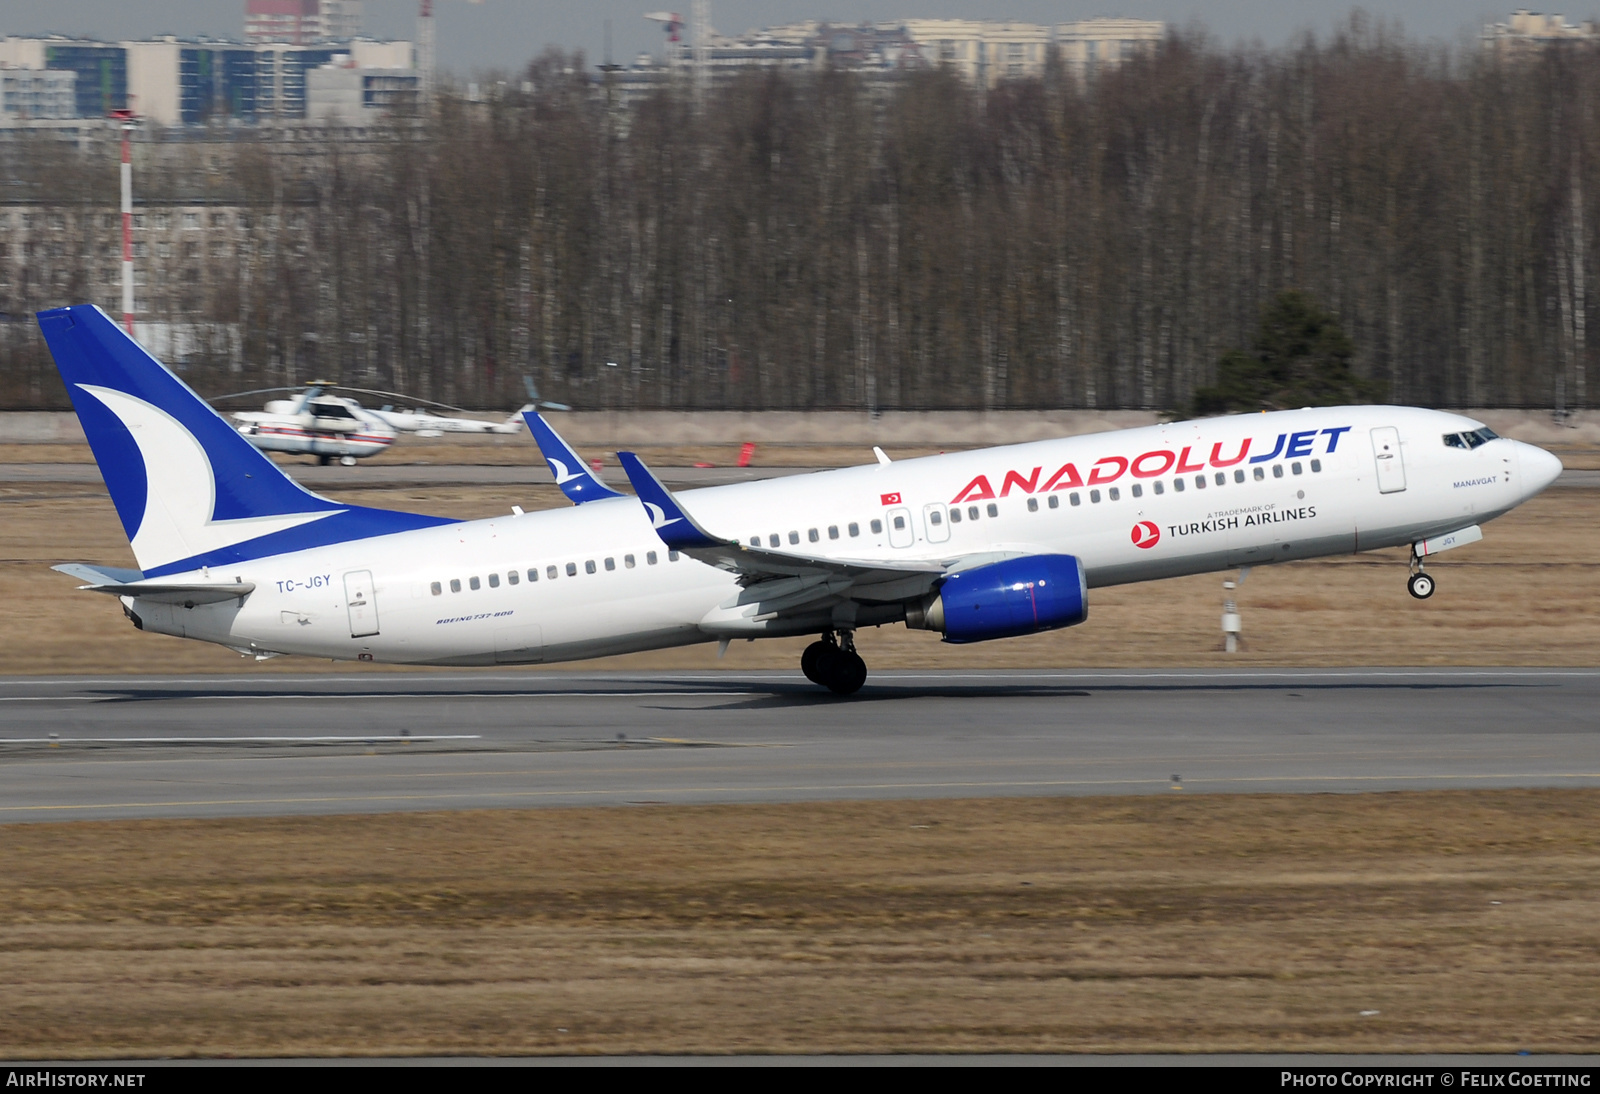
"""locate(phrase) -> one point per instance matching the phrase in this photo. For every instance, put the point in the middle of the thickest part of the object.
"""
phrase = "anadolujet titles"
(980, 545)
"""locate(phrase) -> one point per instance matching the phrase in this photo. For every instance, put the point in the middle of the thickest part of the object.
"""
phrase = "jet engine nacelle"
(1006, 599)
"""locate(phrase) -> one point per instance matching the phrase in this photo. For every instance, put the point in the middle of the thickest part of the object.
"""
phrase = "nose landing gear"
(833, 662)
(1419, 584)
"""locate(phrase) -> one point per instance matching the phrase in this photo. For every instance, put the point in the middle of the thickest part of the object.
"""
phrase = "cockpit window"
(1471, 439)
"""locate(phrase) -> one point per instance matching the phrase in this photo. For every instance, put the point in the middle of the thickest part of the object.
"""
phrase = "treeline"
(819, 241)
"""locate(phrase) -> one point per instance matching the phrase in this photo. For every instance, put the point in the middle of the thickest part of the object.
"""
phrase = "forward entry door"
(1391, 466)
(935, 519)
(363, 606)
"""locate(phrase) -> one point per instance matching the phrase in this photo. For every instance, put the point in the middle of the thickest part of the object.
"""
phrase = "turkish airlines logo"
(889, 499)
(1146, 534)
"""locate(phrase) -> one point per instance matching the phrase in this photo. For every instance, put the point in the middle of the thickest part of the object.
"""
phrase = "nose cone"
(1539, 468)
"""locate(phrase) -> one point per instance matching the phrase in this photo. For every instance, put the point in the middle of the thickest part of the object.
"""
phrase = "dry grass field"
(1524, 596)
(1408, 922)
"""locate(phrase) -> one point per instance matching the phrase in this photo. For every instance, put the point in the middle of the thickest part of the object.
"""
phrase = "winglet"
(577, 482)
(676, 528)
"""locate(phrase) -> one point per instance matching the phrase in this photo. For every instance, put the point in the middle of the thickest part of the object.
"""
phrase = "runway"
(96, 748)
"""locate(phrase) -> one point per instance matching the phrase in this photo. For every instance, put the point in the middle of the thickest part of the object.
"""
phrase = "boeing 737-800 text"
(979, 545)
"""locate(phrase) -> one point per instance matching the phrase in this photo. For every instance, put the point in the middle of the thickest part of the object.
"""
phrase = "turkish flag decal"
(890, 499)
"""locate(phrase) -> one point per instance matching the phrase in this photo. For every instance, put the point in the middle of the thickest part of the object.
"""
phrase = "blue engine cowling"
(1006, 599)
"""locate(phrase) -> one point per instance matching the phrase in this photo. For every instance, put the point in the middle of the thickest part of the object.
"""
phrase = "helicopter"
(335, 427)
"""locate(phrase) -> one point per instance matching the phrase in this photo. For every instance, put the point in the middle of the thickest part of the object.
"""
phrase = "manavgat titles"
(1224, 524)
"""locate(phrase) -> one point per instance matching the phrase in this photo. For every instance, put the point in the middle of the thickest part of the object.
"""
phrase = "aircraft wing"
(577, 482)
(117, 582)
(778, 581)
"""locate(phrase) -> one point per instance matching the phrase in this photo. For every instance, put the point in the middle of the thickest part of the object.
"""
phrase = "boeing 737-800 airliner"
(979, 545)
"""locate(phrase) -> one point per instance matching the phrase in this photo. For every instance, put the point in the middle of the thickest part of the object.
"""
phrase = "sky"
(502, 35)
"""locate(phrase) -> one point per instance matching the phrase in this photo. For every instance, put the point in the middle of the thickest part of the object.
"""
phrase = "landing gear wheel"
(849, 673)
(816, 656)
(347, 461)
(1420, 585)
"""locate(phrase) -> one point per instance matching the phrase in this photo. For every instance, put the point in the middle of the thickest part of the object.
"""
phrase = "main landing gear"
(1419, 584)
(833, 662)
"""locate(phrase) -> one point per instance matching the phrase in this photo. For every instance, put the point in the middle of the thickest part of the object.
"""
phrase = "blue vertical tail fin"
(190, 491)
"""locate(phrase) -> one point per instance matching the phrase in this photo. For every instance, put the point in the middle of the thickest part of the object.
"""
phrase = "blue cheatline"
(190, 491)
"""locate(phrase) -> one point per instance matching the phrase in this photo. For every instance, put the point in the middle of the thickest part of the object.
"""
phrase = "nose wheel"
(1419, 584)
(834, 663)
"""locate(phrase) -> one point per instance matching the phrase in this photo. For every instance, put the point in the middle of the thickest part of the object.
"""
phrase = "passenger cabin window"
(1033, 506)
(672, 556)
(833, 531)
(1316, 465)
(474, 584)
(494, 581)
(1137, 491)
(774, 540)
(1159, 488)
(1295, 467)
(755, 541)
(1238, 476)
(877, 527)
(455, 584)
(1114, 493)
(533, 574)
(611, 564)
(994, 510)
(650, 558)
(1075, 498)
(1277, 470)
(854, 529)
(813, 535)
(900, 524)
(436, 589)
(1199, 482)
(588, 567)
(512, 577)
(572, 569)
(1055, 501)
(1260, 473)
(550, 572)
(1094, 496)
(955, 516)
(1222, 478)
(935, 519)
(794, 537)
(627, 560)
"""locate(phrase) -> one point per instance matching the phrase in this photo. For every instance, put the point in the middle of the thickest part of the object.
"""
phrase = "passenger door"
(936, 522)
(362, 604)
(1391, 466)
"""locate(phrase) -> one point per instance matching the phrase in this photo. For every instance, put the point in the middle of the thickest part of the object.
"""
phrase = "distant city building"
(301, 22)
(340, 93)
(1092, 45)
(983, 52)
(1529, 32)
(27, 93)
(176, 82)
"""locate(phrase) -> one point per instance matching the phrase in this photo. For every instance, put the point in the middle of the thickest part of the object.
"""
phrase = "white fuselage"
(445, 595)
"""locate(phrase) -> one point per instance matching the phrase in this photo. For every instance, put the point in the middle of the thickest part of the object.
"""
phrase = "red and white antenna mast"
(129, 121)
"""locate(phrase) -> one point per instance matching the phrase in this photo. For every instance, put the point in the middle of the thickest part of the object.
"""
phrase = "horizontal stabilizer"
(131, 583)
(577, 482)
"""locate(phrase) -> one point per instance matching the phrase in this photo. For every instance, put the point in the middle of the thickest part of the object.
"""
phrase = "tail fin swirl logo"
(1146, 534)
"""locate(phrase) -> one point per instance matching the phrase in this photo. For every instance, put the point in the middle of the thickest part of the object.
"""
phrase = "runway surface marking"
(828, 788)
